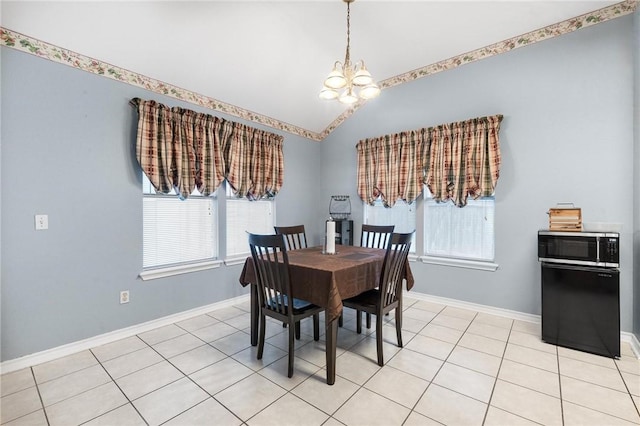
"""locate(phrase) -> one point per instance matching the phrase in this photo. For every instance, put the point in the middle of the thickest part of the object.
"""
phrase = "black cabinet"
(344, 232)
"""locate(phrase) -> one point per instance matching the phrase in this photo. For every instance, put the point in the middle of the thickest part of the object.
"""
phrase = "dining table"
(325, 280)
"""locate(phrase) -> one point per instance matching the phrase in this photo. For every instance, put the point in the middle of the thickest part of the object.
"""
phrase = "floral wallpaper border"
(57, 54)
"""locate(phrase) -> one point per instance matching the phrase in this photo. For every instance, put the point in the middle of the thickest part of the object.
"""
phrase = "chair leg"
(261, 333)
(379, 339)
(291, 348)
(359, 322)
(316, 327)
(368, 320)
(399, 326)
(297, 327)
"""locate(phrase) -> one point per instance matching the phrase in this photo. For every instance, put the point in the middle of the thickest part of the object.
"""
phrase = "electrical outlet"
(124, 297)
(42, 222)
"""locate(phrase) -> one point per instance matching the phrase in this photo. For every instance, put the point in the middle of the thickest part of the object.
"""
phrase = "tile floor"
(457, 367)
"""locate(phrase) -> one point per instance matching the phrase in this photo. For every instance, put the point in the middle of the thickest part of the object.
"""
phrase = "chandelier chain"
(347, 59)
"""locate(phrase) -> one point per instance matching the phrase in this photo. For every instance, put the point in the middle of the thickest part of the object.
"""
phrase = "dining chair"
(295, 236)
(374, 236)
(388, 295)
(271, 262)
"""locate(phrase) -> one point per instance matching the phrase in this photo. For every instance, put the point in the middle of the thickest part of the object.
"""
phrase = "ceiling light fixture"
(355, 79)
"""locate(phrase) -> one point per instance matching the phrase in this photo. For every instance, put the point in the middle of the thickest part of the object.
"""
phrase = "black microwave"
(580, 248)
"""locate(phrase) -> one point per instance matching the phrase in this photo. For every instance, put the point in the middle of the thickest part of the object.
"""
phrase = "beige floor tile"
(72, 384)
(125, 415)
(167, 402)
(289, 410)
(118, 348)
(483, 344)
(498, 417)
(37, 418)
(131, 362)
(527, 327)
(494, 320)
(161, 334)
(412, 325)
(488, 330)
(527, 403)
(369, 350)
(530, 377)
(61, 366)
(16, 381)
(475, 360)
(428, 306)
(431, 347)
(203, 413)
(531, 341)
(224, 314)
(418, 314)
(576, 415)
(356, 367)
(214, 332)
(586, 357)
(450, 408)
(398, 386)
(416, 364)
(19, 404)
(599, 398)
(317, 392)
(233, 343)
(451, 322)
(629, 364)
(416, 419)
(220, 375)
(459, 312)
(250, 396)
(633, 383)
(86, 406)
(347, 338)
(178, 345)
(249, 356)
(626, 349)
(467, 382)
(368, 408)
(241, 322)
(277, 372)
(196, 323)
(532, 357)
(148, 379)
(196, 359)
(281, 340)
(592, 373)
(440, 332)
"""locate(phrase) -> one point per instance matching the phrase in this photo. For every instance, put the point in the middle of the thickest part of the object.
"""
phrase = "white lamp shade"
(369, 92)
(328, 94)
(362, 77)
(335, 79)
(348, 97)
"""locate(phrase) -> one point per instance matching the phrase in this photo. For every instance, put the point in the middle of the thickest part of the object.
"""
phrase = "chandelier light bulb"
(328, 93)
(370, 91)
(348, 96)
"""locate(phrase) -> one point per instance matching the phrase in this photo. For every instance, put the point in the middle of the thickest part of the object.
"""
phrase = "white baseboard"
(102, 339)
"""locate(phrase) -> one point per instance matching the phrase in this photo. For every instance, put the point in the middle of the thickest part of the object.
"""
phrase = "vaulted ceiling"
(265, 60)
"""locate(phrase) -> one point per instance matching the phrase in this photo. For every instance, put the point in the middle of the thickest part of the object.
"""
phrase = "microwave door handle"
(597, 249)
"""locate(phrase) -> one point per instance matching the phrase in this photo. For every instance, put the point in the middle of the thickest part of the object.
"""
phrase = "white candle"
(331, 237)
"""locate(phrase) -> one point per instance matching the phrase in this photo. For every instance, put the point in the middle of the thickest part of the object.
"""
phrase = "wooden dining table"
(325, 280)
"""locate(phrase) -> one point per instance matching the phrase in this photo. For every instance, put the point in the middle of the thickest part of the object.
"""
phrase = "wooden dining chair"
(295, 236)
(374, 236)
(388, 295)
(271, 263)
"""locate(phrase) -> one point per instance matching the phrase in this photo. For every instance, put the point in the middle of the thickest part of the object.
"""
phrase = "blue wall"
(67, 151)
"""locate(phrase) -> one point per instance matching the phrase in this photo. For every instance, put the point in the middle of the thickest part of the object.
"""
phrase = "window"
(402, 215)
(243, 216)
(463, 233)
(178, 231)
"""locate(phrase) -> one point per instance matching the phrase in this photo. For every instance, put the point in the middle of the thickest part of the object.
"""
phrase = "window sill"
(152, 274)
(236, 260)
(460, 263)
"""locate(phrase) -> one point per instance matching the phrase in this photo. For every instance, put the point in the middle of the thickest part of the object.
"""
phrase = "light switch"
(42, 222)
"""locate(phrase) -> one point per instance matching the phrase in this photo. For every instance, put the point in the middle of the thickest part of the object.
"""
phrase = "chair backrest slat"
(393, 268)
(376, 236)
(270, 260)
(295, 236)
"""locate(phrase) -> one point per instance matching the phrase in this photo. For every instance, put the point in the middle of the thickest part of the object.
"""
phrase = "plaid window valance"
(182, 149)
(454, 160)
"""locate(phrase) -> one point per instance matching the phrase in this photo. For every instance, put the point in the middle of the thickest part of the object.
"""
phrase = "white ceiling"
(270, 57)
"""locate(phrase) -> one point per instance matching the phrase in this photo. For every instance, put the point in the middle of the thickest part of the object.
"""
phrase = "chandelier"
(354, 80)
